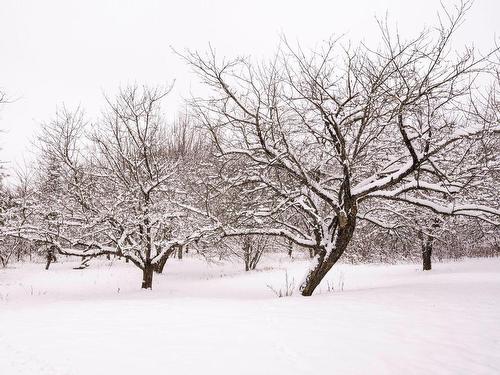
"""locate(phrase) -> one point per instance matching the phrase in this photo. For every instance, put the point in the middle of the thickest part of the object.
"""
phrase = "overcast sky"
(55, 52)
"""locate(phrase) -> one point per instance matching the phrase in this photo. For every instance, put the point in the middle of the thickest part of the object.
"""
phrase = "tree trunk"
(253, 262)
(49, 260)
(247, 248)
(179, 252)
(426, 256)
(426, 242)
(160, 265)
(316, 274)
(50, 257)
(326, 259)
(147, 276)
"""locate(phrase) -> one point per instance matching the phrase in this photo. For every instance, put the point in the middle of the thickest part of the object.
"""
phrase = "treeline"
(382, 154)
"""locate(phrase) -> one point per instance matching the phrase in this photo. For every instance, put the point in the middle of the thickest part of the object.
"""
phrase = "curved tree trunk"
(341, 237)
(316, 274)
(160, 265)
(256, 258)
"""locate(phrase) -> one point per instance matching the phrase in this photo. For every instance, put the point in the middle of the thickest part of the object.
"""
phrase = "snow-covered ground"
(216, 319)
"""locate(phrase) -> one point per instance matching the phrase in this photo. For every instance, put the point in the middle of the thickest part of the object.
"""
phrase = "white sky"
(67, 51)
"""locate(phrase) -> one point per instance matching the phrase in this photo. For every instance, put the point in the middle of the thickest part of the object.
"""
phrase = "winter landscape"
(220, 187)
(219, 319)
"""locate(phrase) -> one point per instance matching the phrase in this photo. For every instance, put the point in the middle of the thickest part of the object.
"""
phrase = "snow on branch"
(279, 232)
(472, 210)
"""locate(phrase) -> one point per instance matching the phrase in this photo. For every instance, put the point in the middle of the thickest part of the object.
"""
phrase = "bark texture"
(147, 276)
(341, 236)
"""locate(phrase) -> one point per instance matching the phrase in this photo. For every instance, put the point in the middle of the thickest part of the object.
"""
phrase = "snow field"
(217, 319)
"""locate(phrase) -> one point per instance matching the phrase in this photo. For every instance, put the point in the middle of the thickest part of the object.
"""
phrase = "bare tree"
(249, 249)
(328, 132)
(118, 187)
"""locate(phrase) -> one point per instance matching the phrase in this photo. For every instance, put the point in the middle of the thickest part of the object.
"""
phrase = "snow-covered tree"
(124, 184)
(248, 249)
(328, 133)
